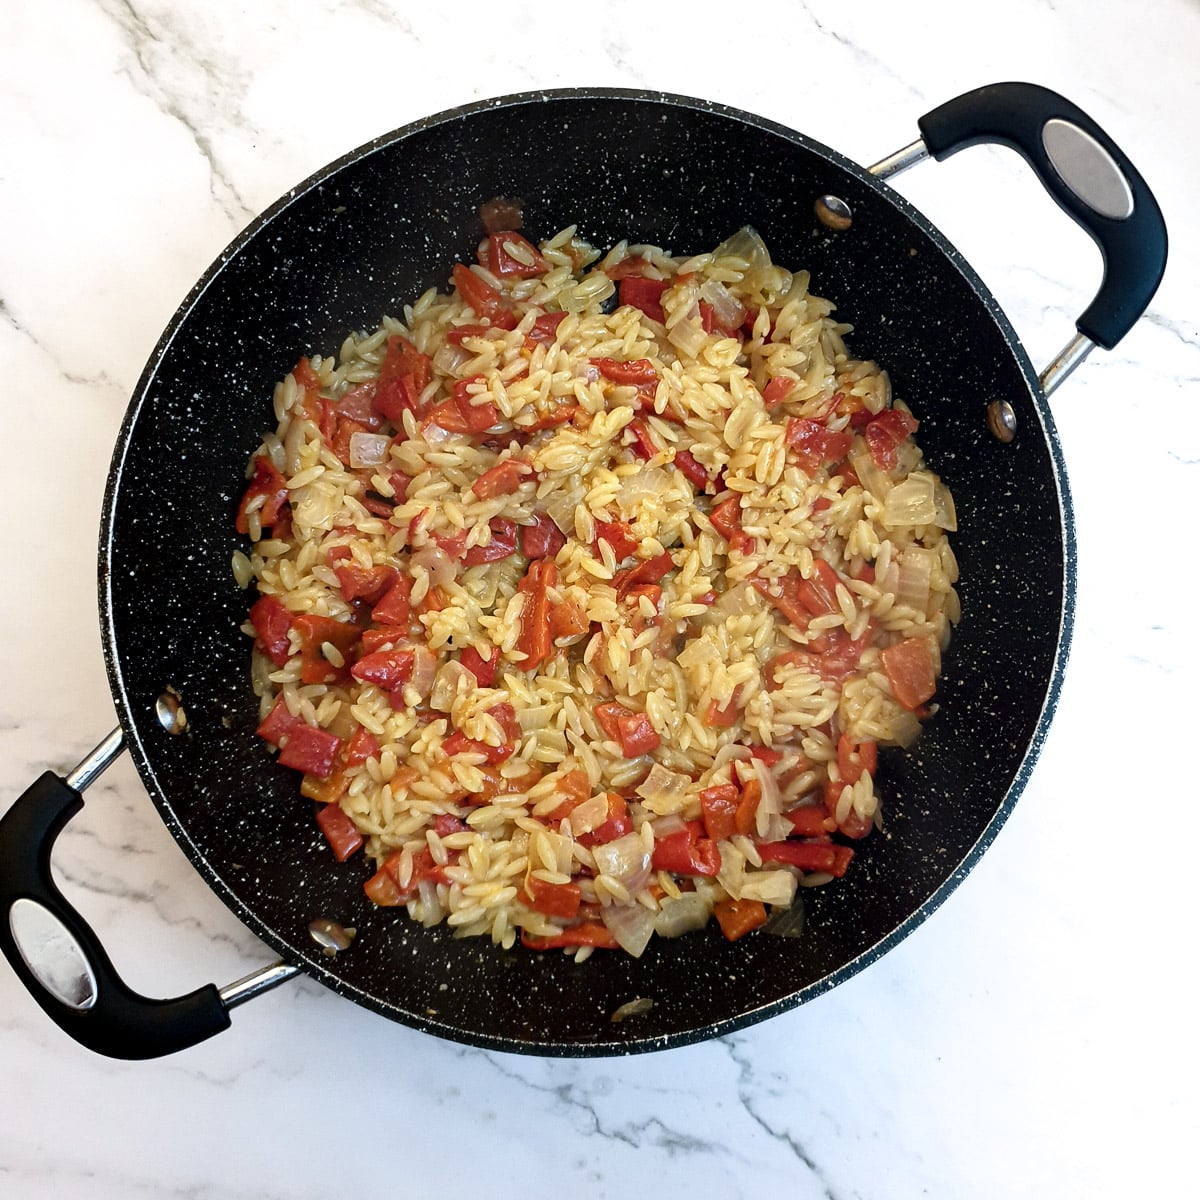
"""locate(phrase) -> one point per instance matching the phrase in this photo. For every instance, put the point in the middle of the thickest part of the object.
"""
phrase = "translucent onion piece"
(586, 816)
(652, 483)
(624, 858)
(945, 516)
(771, 887)
(768, 820)
(446, 685)
(910, 502)
(437, 563)
(679, 916)
(424, 672)
(664, 791)
(631, 924)
(746, 245)
(688, 336)
(368, 449)
(728, 312)
(916, 569)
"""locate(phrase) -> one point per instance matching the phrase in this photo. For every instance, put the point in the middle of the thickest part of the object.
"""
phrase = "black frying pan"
(374, 230)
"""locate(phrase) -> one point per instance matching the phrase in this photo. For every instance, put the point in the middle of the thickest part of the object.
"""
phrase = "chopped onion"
(771, 887)
(449, 358)
(728, 312)
(746, 245)
(626, 859)
(768, 820)
(944, 515)
(631, 924)
(562, 502)
(651, 483)
(916, 569)
(434, 434)
(586, 816)
(446, 685)
(665, 826)
(688, 336)
(869, 475)
(678, 916)
(438, 564)
(664, 791)
(368, 449)
(293, 442)
(910, 502)
(425, 668)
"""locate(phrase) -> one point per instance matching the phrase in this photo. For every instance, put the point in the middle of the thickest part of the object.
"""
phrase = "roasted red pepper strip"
(536, 640)
(501, 480)
(403, 376)
(394, 608)
(814, 445)
(484, 669)
(459, 743)
(545, 328)
(278, 723)
(726, 517)
(340, 831)
(499, 258)
(485, 300)
(692, 470)
(645, 294)
(910, 670)
(776, 390)
(586, 933)
(272, 621)
(637, 735)
(266, 481)
(369, 584)
(619, 536)
(616, 824)
(503, 543)
(638, 372)
(559, 900)
(314, 632)
(884, 432)
(808, 856)
(687, 853)
(388, 669)
(310, 749)
(738, 917)
(650, 570)
(719, 805)
(543, 539)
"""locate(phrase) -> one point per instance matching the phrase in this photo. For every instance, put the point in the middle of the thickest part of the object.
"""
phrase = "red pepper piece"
(459, 743)
(543, 539)
(278, 723)
(559, 900)
(650, 570)
(369, 584)
(486, 302)
(639, 371)
(637, 735)
(545, 328)
(618, 535)
(535, 640)
(687, 853)
(363, 745)
(884, 432)
(726, 517)
(643, 442)
(693, 471)
(910, 670)
(499, 259)
(777, 390)
(272, 621)
(501, 480)
(738, 917)
(266, 481)
(314, 632)
(484, 669)
(403, 376)
(387, 669)
(616, 824)
(723, 717)
(810, 820)
(503, 543)
(586, 933)
(394, 607)
(808, 856)
(719, 805)
(310, 749)
(814, 445)
(645, 294)
(340, 831)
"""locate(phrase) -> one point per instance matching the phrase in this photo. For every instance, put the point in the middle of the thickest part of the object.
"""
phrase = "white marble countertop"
(1035, 1037)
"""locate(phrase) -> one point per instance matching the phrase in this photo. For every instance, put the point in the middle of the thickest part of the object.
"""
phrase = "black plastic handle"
(1023, 116)
(119, 1023)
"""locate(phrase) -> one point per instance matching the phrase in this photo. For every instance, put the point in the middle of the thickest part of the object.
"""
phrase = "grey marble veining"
(1034, 1038)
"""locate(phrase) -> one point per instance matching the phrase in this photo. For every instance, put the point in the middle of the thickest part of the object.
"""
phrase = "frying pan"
(377, 228)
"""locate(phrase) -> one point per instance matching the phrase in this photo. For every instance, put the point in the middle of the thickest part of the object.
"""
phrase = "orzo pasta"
(589, 589)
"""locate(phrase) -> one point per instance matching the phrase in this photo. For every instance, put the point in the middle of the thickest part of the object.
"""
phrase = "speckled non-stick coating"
(376, 229)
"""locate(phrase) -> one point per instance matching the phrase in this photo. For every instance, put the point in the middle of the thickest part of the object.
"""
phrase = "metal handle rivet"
(833, 212)
(1002, 420)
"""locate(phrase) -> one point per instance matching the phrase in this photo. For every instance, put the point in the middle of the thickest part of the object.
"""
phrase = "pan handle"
(1088, 176)
(54, 951)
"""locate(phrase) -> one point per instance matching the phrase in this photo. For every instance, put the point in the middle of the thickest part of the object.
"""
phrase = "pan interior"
(374, 231)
